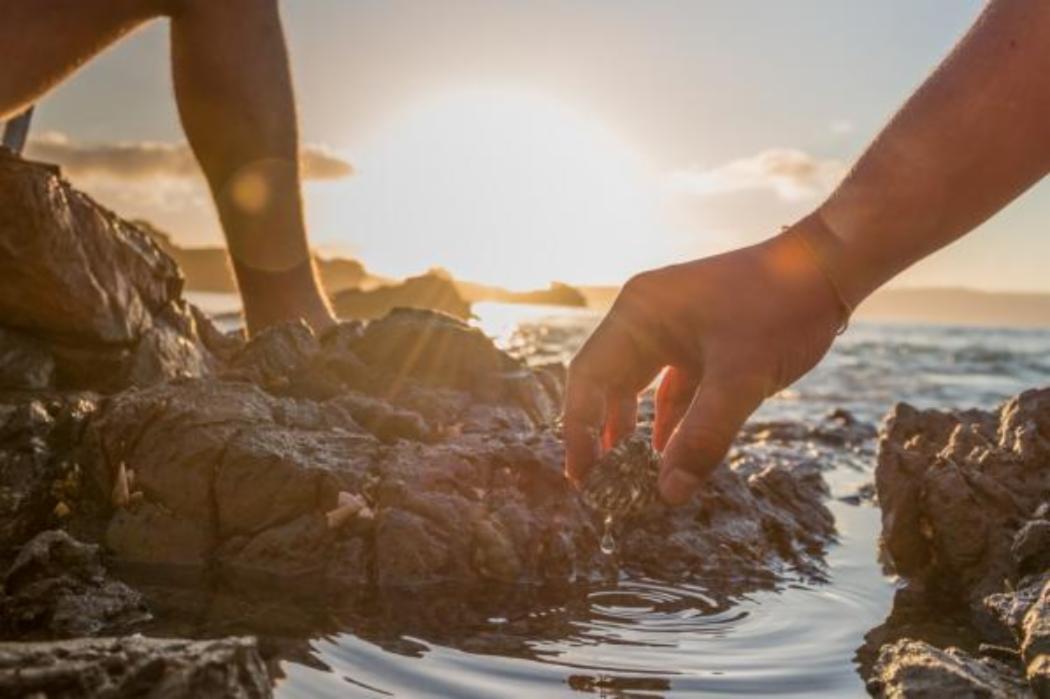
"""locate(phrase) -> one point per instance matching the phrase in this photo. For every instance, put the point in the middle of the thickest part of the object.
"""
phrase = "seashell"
(349, 506)
(121, 495)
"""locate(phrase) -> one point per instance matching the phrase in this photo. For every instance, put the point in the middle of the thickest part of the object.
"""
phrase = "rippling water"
(648, 638)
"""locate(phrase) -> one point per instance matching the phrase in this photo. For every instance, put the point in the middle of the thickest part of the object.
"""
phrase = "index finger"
(583, 420)
(609, 364)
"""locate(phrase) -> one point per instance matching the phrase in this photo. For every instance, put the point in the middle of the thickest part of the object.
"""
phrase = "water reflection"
(632, 638)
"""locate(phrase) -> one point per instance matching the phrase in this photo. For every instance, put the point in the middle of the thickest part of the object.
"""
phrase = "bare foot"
(271, 298)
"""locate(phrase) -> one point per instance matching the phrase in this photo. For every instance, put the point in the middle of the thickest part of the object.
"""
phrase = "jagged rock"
(229, 668)
(1035, 643)
(58, 587)
(276, 353)
(1031, 547)
(956, 487)
(25, 363)
(238, 478)
(999, 616)
(964, 509)
(462, 481)
(916, 670)
(439, 350)
(94, 290)
(39, 470)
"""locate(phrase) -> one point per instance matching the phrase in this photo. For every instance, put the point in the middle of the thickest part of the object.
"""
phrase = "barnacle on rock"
(121, 494)
(348, 507)
(623, 481)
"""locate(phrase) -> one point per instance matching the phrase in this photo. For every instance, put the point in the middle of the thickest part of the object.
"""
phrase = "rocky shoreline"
(408, 468)
(405, 453)
(965, 500)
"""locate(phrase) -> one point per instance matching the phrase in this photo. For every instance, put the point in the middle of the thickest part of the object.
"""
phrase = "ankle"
(271, 297)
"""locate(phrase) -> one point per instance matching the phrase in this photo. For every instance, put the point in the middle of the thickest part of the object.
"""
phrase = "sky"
(581, 140)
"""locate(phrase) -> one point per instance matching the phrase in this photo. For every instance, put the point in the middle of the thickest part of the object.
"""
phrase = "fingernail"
(676, 487)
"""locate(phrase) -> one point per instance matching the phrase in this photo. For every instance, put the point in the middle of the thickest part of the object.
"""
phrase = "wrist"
(802, 259)
(848, 269)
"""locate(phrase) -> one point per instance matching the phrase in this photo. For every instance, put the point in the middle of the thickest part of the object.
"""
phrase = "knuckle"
(640, 284)
(578, 367)
(706, 439)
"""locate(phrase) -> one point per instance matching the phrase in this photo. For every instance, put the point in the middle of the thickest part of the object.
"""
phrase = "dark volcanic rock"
(957, 488)
(97, 292)
(276, 353)
(450, 478)
(914, 669)
(57, 587)
(1035, 642)
(25, 363)
(40, 476)
(134, 666)
(231, 475)
(965, 519)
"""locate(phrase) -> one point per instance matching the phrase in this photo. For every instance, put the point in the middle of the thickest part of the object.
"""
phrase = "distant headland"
(357, 293)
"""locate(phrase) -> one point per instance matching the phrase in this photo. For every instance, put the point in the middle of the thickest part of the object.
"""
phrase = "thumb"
(717, 412)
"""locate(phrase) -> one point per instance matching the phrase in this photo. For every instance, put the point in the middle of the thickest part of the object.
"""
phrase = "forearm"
(972, 138)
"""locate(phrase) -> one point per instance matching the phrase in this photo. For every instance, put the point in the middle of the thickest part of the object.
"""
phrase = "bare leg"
(234, 91)
(43, 41)
(235, 98)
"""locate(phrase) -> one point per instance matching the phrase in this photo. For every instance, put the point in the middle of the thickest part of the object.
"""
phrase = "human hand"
(731, 330)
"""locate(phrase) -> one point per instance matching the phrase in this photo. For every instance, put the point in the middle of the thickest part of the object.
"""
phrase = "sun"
(501, 187)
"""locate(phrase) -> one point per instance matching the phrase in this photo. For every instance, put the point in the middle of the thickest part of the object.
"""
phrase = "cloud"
(788, 173)
(151, 160)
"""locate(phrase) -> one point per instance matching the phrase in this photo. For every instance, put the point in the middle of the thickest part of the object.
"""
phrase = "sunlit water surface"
(651, 638)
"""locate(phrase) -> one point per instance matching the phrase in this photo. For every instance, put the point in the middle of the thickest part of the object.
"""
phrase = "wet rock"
(134, 666)
(71, 269)
(25, 363)
(999, 616)
(456, 356)
(215, 460)
(622, 482)
(239, 480)
(387, 422)
(95, 291)
(57, 587)
(40, 475)
(1035, 643)
(955, 488)
(275, 354)
(751, 519)
(1031, 547)
(914, 669)
(964, 496)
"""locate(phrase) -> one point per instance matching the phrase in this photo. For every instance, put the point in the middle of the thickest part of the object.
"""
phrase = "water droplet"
(608, 543)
